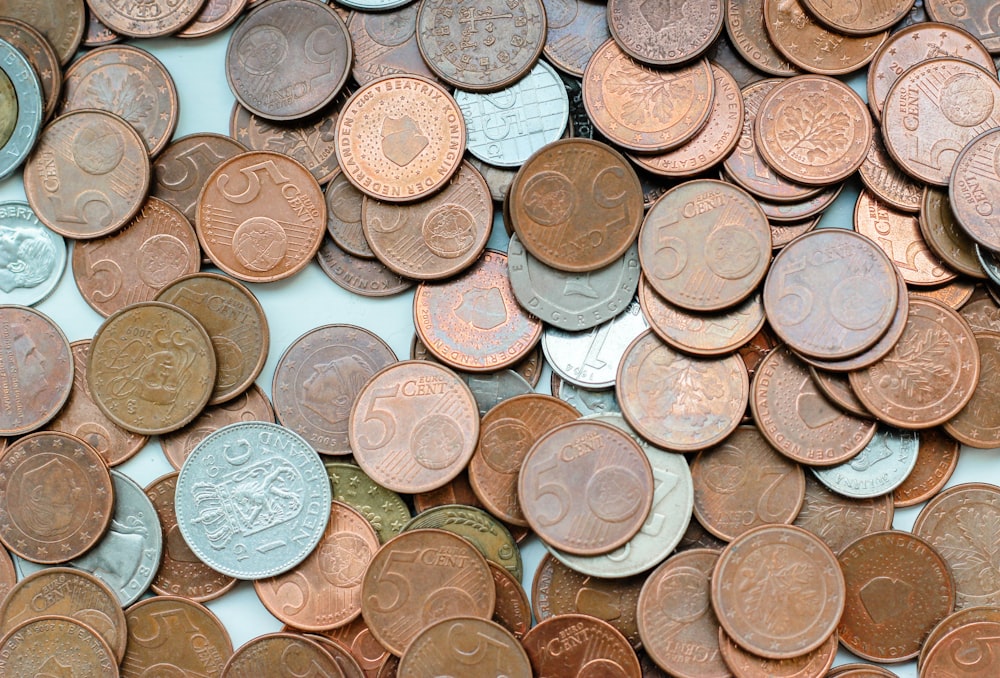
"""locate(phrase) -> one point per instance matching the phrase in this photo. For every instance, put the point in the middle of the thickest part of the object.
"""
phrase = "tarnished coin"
(883, 177)
(970, 16)
(261, 216)
(46, 645)
(32, 257)
(953, 621)
(945, 658)
(492, 388)
(366, 277)
(288, 59)
(439, 650)
(34, 47)
(147, 19)
(745, 26)
(270, 654)
(745, 664)
(586, 401)
(790, 214)
(574, 644)
(172, 634)
(974, 181)
(863, 18)
(383, 508)
(252, 500)
(62, 25)
(385, 42)
(8, 575)
(478, 528)
(937, 460)
(945, 237)
(99, 160)
(215, 16)
(512, 610)
(955, 294)
(664, 35)
(878, 469)
(976, 424)
(575, 30)
(839, 520)
(368, 652)
(343, 216)
(837, 389)
(96, 34)
(181, 170)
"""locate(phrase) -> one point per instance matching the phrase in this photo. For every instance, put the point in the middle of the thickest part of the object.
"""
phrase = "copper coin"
(96, 34)
(745, 664)
(413, 426)
(147, 19)
(929, 375)
(8, 575)
(839, 520)
(782, 234)
(791, 572)
(273, 654)
(318, 378)
(969, 16)
(898, 588)
(288, 59)
(953, 621)
(67, 592)
(837, 389)
(181, 170)
(705, 245)
(366, 277)
(528, 368)
(664, 35)
(579, 645)
(945, 237)
(505, 40)
(575, 30)
(324, 590)
(702, 413)
(385, 43)
(474, 322)
(645, 109)
(367, 652)
(745, 26)
(171, 634)
(977, 425)
(81, 417)
(933, 110)
(955, 294)
(400, 138)
(58, 497)
(937, 459)
(512, 610)
(151, 368)
(810, 46)
(981, 312)
(215, 16)
(44, 646)
(437, 237)
(947, 657)
(576, 205)
(781, 213)
(974, 180)
(343, 216)
(864, 18)
(99, 160)
(860, 670)
(39, 53)
(37, 374)
(383, 508)
(440, 650)
(420, 578)
(261, 216)
(507, 433)
(713, 142)
(744, 483)
(697, 537)
(883, 177)
(62, 25)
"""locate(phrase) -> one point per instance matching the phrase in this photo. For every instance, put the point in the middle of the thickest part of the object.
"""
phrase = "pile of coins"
(617, 194)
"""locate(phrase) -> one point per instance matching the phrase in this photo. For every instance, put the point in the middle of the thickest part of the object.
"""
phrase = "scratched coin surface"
(32, 257)
(839, 520)
(172, 634)
(50, 644)
(970, 16)
(664, 34)
(181, 170)
(577, 644)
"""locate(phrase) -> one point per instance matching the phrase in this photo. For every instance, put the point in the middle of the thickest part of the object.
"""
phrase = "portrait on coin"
(27, 257)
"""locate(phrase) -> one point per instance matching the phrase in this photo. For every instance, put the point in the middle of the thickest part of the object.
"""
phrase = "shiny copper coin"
(473, 322)
(937, 459)
(512, 610)
(151, 368)
(745, 664)
(261, 216)
(343, 216)
(413, 426)
(420, 578)
(969, 16)
(839, 520)
(699, 414)
(864, 18)
(181, 170)
(930, 374)
(385, 43)
(43, 646)
(837, 389)
(39, 53)
(977, 424)
(957, 619)
(662, 35)
(148, 19)
(883, 177)
(288, 59)
(272, 654)
(645, 109)
(799, 578)
(215, 16)
(507, 433)
(974, 180)
(99, 160)
(400, 138)
(37, 369)
(440, 650)
(366, 277)
(955, 294)
(62, 25)
(947, 658)
(576, 644)
(437, 237)
(745, 26)
(945, 237)
(575, 30)
(898, 588)
(58, 494)
(367, 652)
(171, 634)
(744, 483)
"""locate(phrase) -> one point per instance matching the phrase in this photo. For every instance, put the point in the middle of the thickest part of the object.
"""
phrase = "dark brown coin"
(385, 43)
(58, 495)
(791, 572)
(947, 657)
(512, 610)
(863, 18)
(215, 16)
(745, 26)
(781, 213)
(744, 483)
(977, 424)
(37, 374)
(937, 459)
(883, 177)
(288, 59)
(971, 16)
(366, 277)
(837, 389)
(662, 34)
(928, 376)
(981, 312)
(261, 216)
(440, 650)
(697, 537)
(745, 664)
(39, 53)
(945, 237)
(575, 645)
(575, 30)
(839, 520)
(898, 588)
(181, 170)
(151, 368)
(63, 25)
(87, 175)
(171, 634)
(273, 654)
(44, 646)
(343, 216)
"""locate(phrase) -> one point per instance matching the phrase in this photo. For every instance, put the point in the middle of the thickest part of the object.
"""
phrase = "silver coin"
(504, 128)
(673, 501)
(878, 469)
(572, 301)
(253, 500)
(372, 5)
(586, 401)
(590, 359)
(32, 257)
(990, 261)
(28, 108)
(492, 388)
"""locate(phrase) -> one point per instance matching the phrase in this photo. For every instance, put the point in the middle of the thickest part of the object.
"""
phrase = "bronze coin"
(181, 170)
(440, 650)
(575, 30)
(937, 459)
(974, 181)
(745, 26)
(37, 374)
(8, 575)
(744, 483)
(420, 578)
(473, 322)
(946, 658)
(506, 41)
(697, 537)
(261, 216)
(39, 53)
(81, 417)
(898, 588)
(367, 652)
(215, 16)
(383, 508)
(385, 43)
(928, 376)
(977, 424)
(147, 19)
(288, 59)
(791, 572)
(953, 621)
(529, 368)
(723, 53)
(96, 34)
(883, 177)
(366, 277)
(664, 35)
(175, 635)
(837, 389)
(643, 109)
(343, 216)
(151, 368)
(864, 18)
(437, 237)
(839, 520)
(413, 426)
(745, 664)
(955, 294)
(860, 671)
(99, 160)
(43, 646)
(63, 25)
(782, 213)
(579, 645)
(945, 237)
(58, 495)
(782, 234)
(273, 654)
(967, 15)
(507, 433)
(400, 138)
(981, 312)
(512, 610)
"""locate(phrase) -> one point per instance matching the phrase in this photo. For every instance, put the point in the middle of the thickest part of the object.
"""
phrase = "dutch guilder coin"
(253, 500)
(878, 469)
(32, 257)
(21, 108)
